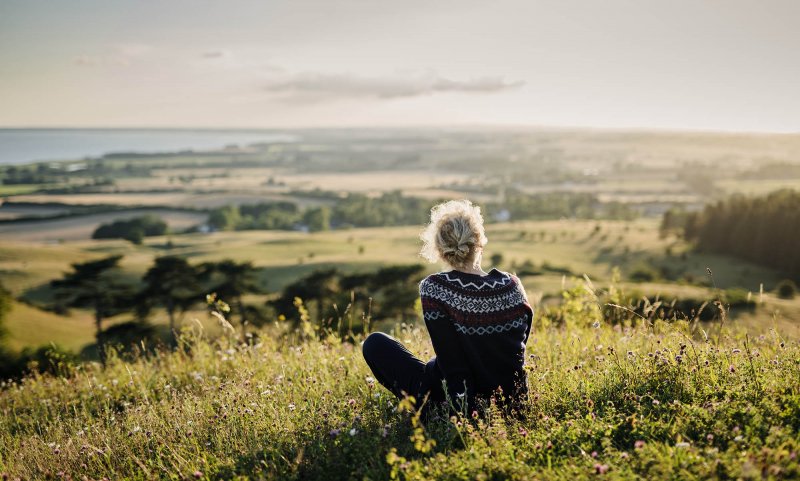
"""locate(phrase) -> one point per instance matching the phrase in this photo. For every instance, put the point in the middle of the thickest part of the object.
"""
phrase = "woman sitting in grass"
(478, 322)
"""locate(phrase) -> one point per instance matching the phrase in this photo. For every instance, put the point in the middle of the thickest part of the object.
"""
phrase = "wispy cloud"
(211, 54)
(344, 85)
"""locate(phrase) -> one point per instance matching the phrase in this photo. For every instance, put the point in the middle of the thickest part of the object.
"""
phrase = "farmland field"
(283, 257)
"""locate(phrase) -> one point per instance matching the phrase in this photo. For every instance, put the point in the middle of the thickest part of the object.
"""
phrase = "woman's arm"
(527, 304)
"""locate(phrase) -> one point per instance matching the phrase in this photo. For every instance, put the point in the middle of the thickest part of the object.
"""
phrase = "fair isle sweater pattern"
(478, 326)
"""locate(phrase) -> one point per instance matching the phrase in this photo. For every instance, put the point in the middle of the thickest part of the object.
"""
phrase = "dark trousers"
(400, 371)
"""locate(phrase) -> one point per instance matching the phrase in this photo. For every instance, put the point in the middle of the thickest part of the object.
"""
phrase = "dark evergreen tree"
(172, 283)
(231, 280)
(95, 285)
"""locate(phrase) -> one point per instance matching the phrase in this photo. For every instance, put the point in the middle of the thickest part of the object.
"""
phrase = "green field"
(574, 247)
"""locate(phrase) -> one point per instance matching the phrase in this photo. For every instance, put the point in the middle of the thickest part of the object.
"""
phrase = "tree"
(95, 285)
(496, 259)
(133, 230)
(786, 289)
(399, 286)
(317, 218)
(225, 218)
(5, 307)
(171, 282)
(232, 280)
(320, 286)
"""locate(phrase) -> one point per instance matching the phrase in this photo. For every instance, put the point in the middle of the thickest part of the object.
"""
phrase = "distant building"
(502, 216)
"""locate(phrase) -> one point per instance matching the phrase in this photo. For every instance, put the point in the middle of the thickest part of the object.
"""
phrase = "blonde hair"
(454, 234)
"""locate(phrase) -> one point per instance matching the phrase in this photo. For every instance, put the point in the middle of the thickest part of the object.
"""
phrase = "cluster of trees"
(40, 174)
(555, 205)
(176, 286)
(356, 210)
(356, 299)
(390, 209)
(394, 209)
(274, 215)
(133, 230)
(170, 283)
(764, 229)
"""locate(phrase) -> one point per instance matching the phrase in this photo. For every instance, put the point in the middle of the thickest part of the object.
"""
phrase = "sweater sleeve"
(450, 357)
(527, 304)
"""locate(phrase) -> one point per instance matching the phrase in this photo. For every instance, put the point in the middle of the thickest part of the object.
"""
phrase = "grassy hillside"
(645, 401)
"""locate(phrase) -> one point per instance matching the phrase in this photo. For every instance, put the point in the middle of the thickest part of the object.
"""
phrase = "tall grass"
(644, 399)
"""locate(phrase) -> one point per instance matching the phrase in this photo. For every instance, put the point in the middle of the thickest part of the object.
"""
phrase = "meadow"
(639, 399)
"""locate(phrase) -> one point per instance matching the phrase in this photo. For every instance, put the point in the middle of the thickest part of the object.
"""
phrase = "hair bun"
(454, 234)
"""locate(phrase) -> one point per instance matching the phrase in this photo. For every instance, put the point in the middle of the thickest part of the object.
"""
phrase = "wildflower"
(370, 379)
(736, 351)
(738, 438)
(638, 444)
(623, 455)
(594, 454)
(291, 407)
(353, 432)
(351, 402)
(656, 402)
(335, 432)
(731, 369)
(678, 358)
(198, 474)
(600, 468)
(523, 432)
(596, 324)
(384, 432)
(710, 438)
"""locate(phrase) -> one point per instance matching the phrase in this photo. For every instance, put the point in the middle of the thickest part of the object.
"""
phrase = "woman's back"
(478, 322)
(478, 326)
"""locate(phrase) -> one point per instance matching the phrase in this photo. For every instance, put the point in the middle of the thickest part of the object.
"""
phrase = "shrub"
(133, 230)
(786, 289)
(643, 273)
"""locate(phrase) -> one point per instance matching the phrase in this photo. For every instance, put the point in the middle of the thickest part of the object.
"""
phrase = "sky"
(725, 65)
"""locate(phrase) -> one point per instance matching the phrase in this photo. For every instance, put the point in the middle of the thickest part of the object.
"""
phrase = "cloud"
(215, 54)
(343, 85)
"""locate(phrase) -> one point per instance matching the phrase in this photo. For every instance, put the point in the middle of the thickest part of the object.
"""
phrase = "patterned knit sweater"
(478, 326)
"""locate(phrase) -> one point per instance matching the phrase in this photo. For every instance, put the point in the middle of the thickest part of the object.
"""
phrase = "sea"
(22, 146)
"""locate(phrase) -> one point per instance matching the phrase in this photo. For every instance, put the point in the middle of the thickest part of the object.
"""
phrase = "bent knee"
(374, 343)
